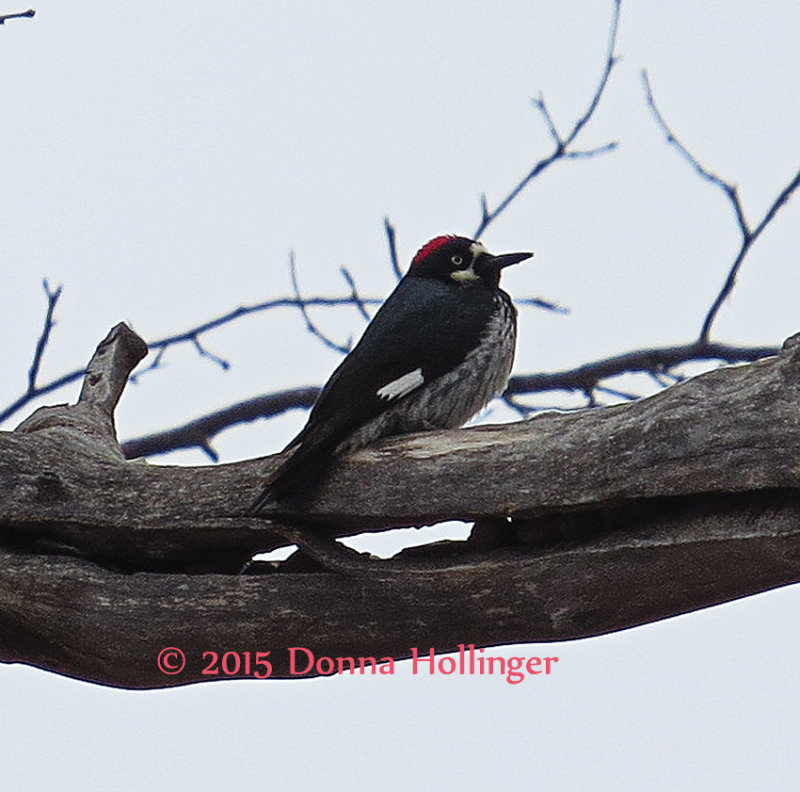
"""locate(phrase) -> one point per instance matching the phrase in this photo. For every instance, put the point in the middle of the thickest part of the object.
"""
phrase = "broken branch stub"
(92, 418)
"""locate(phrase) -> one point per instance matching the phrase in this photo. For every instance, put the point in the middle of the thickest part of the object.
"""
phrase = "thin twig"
(390, 238)
(541, 106)
(29, 13)
(203, 352)
(538, 302)
(310, 326)
(748, 234)
(609, 65)
(560, 144)
(588, 153)
(154, 364)
(244, 310)
(515, 404)
(747, 242)
(660, 379)
(485, 218)
(44, 336)
(617, 394)
(729, 189)
(357, 301)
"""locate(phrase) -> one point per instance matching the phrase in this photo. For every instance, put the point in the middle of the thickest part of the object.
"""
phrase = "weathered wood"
(618, 517)
(78, 619)
(92, 418)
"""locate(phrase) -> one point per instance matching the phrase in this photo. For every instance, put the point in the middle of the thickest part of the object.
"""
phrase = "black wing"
(422, 327)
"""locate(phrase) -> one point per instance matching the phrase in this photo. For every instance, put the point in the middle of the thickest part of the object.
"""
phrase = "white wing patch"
(402, 385)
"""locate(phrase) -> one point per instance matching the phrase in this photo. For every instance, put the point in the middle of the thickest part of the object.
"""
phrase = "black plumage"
(436, 351)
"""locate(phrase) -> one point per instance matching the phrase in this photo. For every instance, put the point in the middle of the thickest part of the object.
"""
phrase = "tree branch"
(682, 500)
(29, 13)
(310, 326)
(561, 145)
(44, 337)
(652, 360)
(748, 233)
(583, 379)
(200, 432)
(193, 335)
(390, 239)
(190, 336)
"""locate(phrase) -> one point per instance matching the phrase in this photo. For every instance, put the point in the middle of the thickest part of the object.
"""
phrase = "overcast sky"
(160, 160)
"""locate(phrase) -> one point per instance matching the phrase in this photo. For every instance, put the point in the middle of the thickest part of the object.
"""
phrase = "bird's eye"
(457, 260)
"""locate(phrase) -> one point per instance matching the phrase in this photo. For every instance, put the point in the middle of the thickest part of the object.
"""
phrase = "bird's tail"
(295, 479)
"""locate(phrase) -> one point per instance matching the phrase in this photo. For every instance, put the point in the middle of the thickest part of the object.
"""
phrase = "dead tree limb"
(587, 522)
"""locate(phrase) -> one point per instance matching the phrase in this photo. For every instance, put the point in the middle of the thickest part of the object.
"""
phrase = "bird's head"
(463, 261)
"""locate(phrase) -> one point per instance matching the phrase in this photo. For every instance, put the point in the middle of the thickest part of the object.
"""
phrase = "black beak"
(490, 263)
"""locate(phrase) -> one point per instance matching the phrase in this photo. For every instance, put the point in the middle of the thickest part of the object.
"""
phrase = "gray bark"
(587, 522)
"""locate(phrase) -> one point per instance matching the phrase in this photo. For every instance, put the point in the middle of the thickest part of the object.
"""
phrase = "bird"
(439, 348)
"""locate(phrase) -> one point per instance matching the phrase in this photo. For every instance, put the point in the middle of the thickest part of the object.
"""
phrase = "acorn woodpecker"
(434, 354)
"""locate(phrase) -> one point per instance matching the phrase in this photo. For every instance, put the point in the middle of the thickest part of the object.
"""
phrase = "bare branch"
(390, 238)
(44, 336)
(609, 65)
(649, 360)
(541, 106)
(108, 370)
(538, 302)
(203, 352)
(523, 410)
(664, 379)
(89, 424)
(192, 336)
(301, 303)
(560, 145)
(656, 361)
(485, 219)
(747, 242)
(588, 153)
(616, 393)
(682, 500)
(310, 326)
(356, 297)
(748, 233)
(198, 433)
(154, 364)
(729, 189)
(29, 13)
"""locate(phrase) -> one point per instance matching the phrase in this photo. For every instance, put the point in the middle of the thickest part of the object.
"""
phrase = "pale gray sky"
(160, 160)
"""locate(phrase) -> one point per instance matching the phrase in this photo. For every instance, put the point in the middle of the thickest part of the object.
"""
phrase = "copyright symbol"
(171, 660)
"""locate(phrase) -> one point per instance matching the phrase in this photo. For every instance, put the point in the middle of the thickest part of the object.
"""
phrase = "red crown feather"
(429, 247)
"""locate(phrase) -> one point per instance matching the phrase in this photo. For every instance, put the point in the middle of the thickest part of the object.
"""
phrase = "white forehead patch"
(477, 249)
(401, 386)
